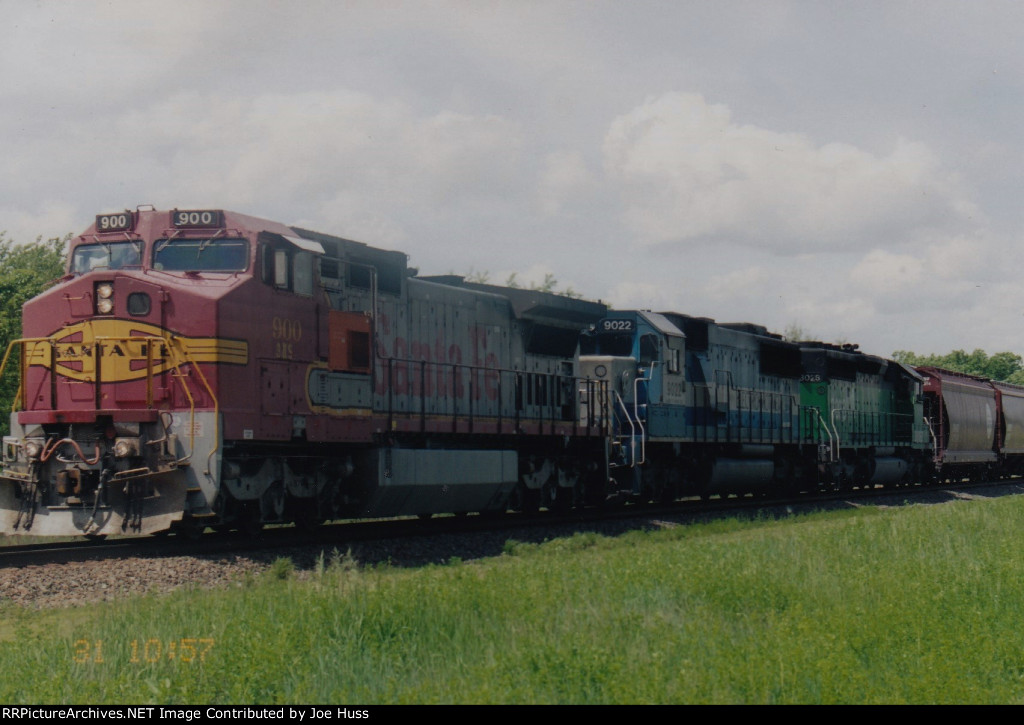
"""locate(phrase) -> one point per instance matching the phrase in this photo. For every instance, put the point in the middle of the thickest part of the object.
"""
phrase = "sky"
(849, 169)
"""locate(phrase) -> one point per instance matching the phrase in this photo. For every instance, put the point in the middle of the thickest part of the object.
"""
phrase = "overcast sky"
(853, 168)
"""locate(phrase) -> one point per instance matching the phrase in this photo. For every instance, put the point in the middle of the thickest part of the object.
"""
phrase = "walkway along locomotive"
(204, 367)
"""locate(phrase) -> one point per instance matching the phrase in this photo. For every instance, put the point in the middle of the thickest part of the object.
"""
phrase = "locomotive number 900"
(114, 222)
(285, 332)
(198, 219)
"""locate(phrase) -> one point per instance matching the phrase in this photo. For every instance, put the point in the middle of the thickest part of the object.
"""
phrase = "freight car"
(976, 425)
(204, 367)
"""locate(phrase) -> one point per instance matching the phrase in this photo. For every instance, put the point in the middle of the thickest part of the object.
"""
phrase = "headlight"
(104, 298)
(124, 447)
(33, 449)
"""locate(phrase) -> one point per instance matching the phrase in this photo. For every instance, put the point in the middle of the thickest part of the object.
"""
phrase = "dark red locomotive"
(204, 367)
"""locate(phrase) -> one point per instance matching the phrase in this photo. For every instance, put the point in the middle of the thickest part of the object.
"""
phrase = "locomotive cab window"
(612, 337)
(116, 255)
(201, 255)
(302, 274)
(672, 362)
(289, 269)
(648, 350)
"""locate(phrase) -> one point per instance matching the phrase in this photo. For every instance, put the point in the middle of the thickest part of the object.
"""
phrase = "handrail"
(594, 394)
(722, 378)
(935, 439)
(408, 379)
(178, 357)
(838, 443)
(636, 410)
(148, 340)
(19, 394)
(824, 426)
(880, 418)
(632, 429)
(192, 410)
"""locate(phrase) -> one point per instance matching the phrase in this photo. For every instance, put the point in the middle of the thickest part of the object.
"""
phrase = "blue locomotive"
(703, 408)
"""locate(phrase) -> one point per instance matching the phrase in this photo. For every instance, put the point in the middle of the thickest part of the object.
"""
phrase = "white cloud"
(649, 295)
(564, 179)
(880, 272)
(689, 173)
(357, 163)
(48, 219)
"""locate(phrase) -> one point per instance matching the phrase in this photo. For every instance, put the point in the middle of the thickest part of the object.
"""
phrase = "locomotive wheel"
(526, 500)
(307, 518)
(251, 525)
(190, 531)
(666, 494)
(559, 499)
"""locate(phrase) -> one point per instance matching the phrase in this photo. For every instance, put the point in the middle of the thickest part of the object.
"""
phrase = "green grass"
(911, 605)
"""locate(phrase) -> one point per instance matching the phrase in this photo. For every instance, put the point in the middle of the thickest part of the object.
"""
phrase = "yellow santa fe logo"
(126, 350)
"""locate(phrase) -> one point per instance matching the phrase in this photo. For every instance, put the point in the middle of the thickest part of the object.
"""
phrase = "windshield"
(616, 344)
(201, 255)
(115, 255)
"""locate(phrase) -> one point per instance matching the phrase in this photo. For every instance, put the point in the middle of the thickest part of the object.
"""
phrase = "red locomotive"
(202, 367)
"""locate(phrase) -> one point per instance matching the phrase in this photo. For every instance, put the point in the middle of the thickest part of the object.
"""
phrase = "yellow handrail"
(19, 393)
(179, 356)
(175, 346)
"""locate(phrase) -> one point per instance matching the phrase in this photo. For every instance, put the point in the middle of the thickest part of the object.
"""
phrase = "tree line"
(1007, 367)
(1004, 366)
(25, 271)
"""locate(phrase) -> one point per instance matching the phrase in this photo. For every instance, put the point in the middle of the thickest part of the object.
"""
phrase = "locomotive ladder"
(636, 438)
(630, 438)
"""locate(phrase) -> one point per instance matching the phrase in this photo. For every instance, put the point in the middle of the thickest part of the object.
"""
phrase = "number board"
(616, 325)
(119, 222)
(198, 219)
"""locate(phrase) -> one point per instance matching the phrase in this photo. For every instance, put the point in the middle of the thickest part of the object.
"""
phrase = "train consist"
(702, 408)
(203, 368)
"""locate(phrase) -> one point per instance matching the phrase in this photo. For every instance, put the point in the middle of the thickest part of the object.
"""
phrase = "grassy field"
(921, 604)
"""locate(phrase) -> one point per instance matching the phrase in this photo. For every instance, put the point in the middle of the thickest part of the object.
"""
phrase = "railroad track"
(351, 533)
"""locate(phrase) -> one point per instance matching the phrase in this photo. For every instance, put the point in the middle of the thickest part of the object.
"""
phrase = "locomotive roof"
(661, 323)
(853, 353)
(351, 249)
(533, 304)
(911, 371)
